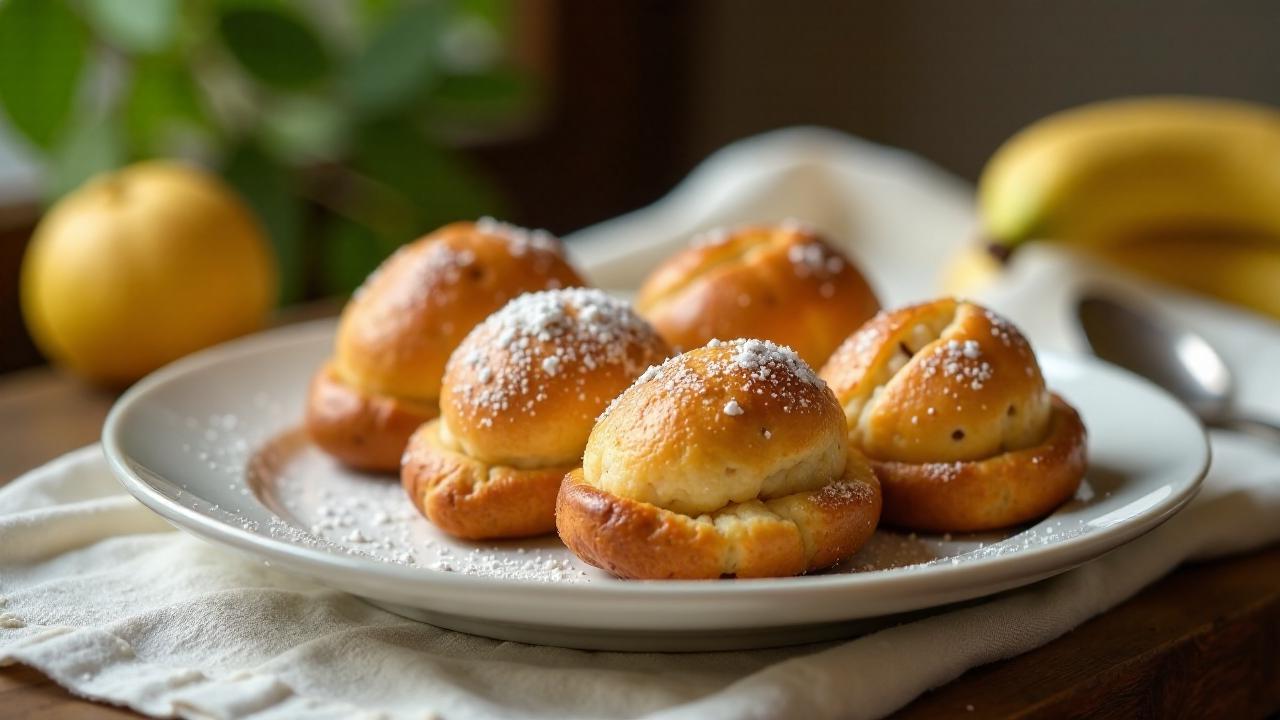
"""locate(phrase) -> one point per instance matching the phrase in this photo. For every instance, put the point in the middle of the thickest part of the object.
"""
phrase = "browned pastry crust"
(398, 330)
(947, 401)
(1007, 489)
(790, 535)
(362, 430)
(781, 282)
(728, 460)
(471, 499)
(521, 394)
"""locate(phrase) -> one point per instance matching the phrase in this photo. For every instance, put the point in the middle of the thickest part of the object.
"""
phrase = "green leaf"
(91, 147)
(271, 190)
(371, 13)
(351, 252)
(434, 182)
(498, 95)
(142, 26)
(303, 129)
(42, 52)
(274, 46)
(161, 95)
(397, 63)
(497, 13)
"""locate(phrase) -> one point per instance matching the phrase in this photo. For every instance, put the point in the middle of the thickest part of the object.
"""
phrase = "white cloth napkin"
(100, 594)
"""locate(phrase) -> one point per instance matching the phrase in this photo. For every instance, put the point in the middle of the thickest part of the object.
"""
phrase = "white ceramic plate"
(212, 444)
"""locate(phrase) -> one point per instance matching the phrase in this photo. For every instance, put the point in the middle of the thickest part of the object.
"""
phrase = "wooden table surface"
(1202, 642)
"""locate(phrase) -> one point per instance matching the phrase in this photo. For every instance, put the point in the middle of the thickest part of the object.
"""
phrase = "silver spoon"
(1172, 357)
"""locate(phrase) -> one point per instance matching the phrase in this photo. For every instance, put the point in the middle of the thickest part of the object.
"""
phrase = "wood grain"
(1203, 642)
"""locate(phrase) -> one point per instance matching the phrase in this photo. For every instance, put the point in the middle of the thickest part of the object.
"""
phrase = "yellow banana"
(1237, 271)
(1243, 272)
(969, 270)
(1141, 168)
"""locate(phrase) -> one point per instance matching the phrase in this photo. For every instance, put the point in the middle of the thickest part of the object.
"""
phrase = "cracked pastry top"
(947, 400)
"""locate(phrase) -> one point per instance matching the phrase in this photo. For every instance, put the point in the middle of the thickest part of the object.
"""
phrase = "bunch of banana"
(1183, 190)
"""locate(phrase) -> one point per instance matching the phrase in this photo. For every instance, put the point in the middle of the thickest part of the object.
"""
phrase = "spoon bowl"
(1147, 343)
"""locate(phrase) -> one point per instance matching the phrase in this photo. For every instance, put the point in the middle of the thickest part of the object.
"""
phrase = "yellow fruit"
(1234, 270)
(971, 269)
(1238, 271)
(1120, 170)
(141, 266)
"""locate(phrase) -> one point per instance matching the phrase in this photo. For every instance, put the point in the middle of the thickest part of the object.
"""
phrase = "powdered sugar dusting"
(959, 360)
(763, 357)
(1001, 328)
(769, 369)
(437, 263)
(522, 240)
(840, 494)
(540, 336)
(814, 259)
(793, 224)
(441, 263)
(321, 505)
(710, 238)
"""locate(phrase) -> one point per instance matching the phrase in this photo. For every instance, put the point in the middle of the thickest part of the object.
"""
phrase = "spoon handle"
(1257, 427)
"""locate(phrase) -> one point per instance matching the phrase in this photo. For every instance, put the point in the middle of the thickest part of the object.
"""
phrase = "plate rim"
(1038, 561)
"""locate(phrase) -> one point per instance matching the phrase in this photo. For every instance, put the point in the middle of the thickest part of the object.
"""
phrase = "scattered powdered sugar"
(650, 373)
(870, 336)
(1001, 328)
(710, 238)
(764, 357)
(942, 471)
(550, 364)
(441, 263)
(814, 258)
(521, 240)
(319, 504)
(793, 224)
(960, 360)
(837, 494)
(769, 367)
(541, 336)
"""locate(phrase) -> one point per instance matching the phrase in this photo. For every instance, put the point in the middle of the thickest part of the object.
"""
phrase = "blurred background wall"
(952, 80)
(561, 113)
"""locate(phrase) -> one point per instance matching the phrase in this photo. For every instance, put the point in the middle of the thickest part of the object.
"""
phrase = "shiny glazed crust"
(1007, 489)
(503, 407)
(474, 500)
(362, 430)
(781, 283)
(785, 536)
(397, 332)
(947, 401)
(939, 381)
(399, 329)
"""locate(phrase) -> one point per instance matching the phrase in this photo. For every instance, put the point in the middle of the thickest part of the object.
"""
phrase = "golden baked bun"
(777, 282)
(521, 394)
(399, 328)
(947, 401)
(728, 460)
